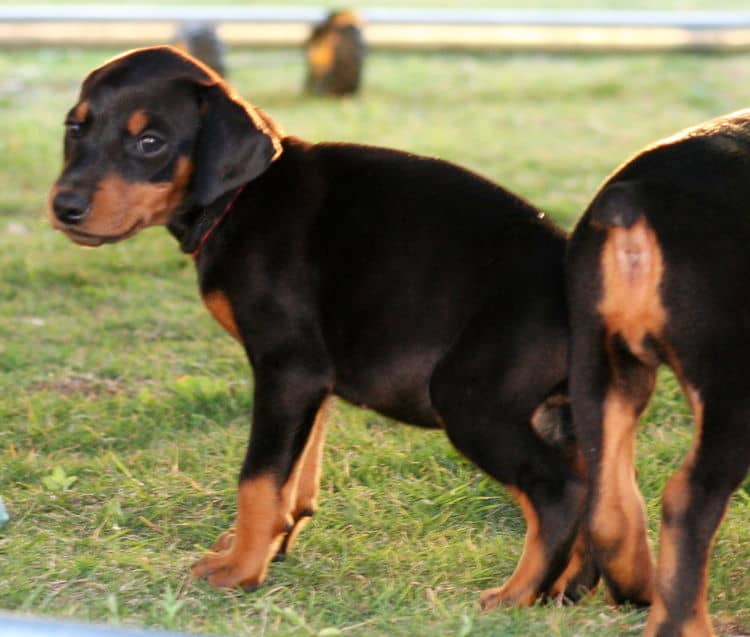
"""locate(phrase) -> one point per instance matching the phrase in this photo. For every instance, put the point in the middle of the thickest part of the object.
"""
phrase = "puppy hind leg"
(694, 503)
(609, 390)
(501, 441)
(553, 422)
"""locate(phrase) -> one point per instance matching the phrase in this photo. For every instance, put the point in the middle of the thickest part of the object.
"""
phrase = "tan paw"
(506, 596)
(224, 541)
(225, 570)
(233, 563)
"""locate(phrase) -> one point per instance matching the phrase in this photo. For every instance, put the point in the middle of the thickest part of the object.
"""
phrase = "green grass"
(124, 407)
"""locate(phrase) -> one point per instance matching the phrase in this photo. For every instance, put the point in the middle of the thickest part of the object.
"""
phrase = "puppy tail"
(618, 205)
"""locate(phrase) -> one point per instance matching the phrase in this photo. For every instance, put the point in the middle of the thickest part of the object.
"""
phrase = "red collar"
(207, 234)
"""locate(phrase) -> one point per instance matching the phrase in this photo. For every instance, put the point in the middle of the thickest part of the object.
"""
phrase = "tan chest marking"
(218, 304)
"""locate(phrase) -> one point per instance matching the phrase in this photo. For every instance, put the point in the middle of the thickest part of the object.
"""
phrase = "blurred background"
(124, 408)
(511, 92)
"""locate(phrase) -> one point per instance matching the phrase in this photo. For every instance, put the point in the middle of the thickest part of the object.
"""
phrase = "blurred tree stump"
(335, 55)
(201, 41)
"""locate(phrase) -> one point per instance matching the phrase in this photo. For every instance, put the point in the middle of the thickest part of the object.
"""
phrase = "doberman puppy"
(658, 272)
(400, 283)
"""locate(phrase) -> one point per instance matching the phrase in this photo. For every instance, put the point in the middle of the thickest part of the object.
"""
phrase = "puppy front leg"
(301, 490)
(287, 402)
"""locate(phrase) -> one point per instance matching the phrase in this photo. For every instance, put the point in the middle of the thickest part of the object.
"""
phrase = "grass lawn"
(124, 408)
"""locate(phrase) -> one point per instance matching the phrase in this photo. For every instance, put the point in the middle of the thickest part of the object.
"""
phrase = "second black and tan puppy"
(658, 269)
(398, 282)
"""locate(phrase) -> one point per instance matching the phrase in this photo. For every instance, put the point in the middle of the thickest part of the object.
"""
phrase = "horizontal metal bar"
(563, 18)
(691, 20)
(28, 626)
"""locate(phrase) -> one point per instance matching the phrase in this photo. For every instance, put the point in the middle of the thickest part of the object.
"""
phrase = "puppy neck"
(191, 224)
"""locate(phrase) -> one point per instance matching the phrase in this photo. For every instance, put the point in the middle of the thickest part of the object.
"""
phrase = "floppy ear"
(234, 145)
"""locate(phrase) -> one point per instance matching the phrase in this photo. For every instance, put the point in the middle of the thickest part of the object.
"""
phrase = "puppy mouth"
(94, 240)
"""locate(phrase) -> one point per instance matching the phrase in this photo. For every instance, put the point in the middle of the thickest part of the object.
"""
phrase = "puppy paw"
(506, 596)
(232, 565)
(224, 541)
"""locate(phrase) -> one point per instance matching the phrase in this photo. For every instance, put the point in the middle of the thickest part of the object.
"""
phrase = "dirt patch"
(88, 385)
(731, 626)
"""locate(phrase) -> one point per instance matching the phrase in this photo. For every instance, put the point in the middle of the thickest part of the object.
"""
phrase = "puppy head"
(154, 131)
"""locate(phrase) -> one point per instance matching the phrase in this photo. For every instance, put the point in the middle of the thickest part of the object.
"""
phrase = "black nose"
(70, 207)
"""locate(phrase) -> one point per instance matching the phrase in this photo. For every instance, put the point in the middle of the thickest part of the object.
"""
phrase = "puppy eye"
(150, 144)
(74, 129)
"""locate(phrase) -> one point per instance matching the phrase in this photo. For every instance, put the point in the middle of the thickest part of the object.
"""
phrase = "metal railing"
(481, 17)
(289, 25)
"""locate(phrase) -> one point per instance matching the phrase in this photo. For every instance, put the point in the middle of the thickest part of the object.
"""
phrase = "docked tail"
(632, 267)
(618, 205)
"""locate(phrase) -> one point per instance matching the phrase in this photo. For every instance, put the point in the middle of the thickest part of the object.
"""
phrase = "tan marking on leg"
(675, 496)
(579, 560)
(221, 309)
(675, 501)
(259, 529)
(632, 268)
(137, 122)
(224, 541)
(618, 521)
(304, 484)
(521, 589)
(300, 492)
(309, 477)
(699, 625)
(81, 111)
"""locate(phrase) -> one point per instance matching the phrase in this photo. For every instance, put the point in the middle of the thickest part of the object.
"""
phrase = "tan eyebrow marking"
(137, 122)
(81, 111)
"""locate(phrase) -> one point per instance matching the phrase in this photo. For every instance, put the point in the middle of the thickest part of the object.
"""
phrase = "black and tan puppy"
(398, 282)
(658, 273)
